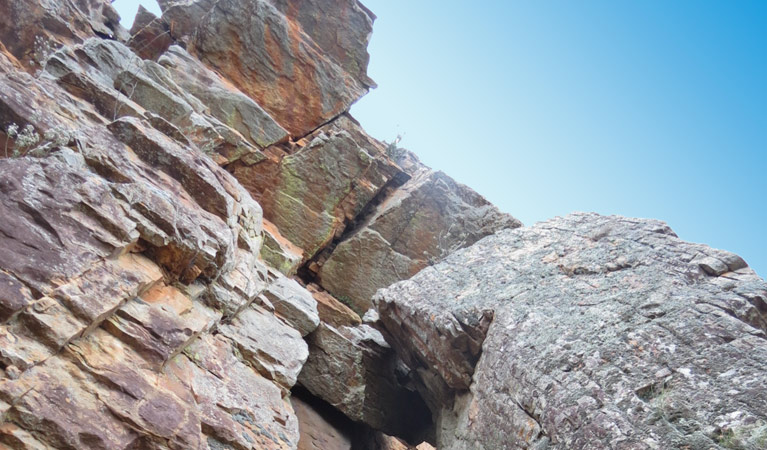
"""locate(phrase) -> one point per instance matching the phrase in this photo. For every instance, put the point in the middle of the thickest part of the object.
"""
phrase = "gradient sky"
(644, 109)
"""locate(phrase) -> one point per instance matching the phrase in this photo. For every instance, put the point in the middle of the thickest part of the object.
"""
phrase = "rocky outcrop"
(193, 229)
(144, 300)
(312, 189)
(304, 62)
(587, 332)
(31, 30)
(131, 274)
(428, 218)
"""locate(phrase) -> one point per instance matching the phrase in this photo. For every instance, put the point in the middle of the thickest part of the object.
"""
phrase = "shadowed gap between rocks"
(308, 271)
(337, 430)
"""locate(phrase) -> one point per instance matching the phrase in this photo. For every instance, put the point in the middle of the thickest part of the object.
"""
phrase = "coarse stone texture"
(587, 332)
(317, 430)
(355, 371)
(294, 304)
(312, 189)
(225, 103)
(426, 219)
(31, 29)
(304, 62)
(145, 303)
(150, 35)
(123, 248)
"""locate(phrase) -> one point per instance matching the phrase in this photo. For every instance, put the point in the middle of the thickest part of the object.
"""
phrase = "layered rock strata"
(194, 227)
(159, 188)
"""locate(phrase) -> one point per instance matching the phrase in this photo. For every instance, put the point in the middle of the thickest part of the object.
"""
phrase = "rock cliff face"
(193, 229)
(587, 332)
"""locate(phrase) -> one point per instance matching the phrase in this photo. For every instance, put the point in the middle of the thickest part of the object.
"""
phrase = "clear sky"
(645, 109)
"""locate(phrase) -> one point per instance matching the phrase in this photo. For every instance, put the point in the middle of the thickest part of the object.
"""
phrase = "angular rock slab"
(606, 332)
(30, 29)
(310, 191)
(272, 347)
(303, 62)
(426, 219)
(294, 304)
(225, 103)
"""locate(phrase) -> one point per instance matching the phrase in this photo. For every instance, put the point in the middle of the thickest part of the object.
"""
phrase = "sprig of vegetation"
(28, 141)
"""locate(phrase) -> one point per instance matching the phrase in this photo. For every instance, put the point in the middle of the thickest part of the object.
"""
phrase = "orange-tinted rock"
(279, 252)
(299, 70)
(161, 324)
(237, 406)
(310, 192)
(137, 306)
(13, 437)
(332, 311)
(225, 102)
(318, 432)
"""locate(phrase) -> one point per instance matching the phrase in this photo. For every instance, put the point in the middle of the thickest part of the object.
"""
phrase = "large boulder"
(587, 332)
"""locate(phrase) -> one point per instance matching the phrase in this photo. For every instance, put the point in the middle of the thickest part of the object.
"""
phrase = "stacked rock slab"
(587, 332)
(119, 262)
(144, 301)
(184, 172)
(29, 30)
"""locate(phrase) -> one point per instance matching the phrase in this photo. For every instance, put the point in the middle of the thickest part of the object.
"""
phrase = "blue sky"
(645, 109)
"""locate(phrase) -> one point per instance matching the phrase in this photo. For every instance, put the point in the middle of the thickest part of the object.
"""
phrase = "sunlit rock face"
(304, 62)
(586, 332)
(193, 229)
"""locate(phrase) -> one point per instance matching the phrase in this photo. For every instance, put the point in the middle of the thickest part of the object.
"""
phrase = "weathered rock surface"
(223, 102)
(150, 35)
(425, 220)
(587, 332)
(311, 190)
(304, 62)
(31, 29)
(145, 303)
(294, 304)
(124, 247)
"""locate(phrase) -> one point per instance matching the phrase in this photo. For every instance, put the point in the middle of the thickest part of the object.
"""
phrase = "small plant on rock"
(42, 52)
(28, 141)
(393, 151)
(23, 140)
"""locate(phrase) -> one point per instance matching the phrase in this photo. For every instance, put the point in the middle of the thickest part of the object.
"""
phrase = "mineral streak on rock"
(193, 226)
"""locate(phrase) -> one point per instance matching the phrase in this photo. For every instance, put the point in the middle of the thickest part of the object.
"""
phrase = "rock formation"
(193, 230)
(587, 332)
